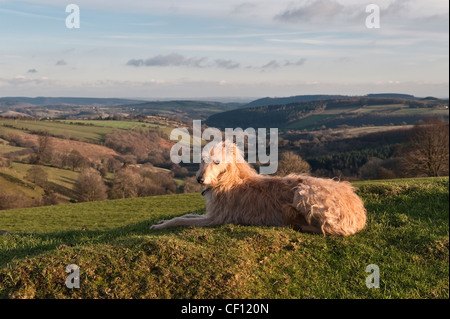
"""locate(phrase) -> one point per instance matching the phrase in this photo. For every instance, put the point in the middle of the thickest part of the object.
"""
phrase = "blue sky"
(236, 48)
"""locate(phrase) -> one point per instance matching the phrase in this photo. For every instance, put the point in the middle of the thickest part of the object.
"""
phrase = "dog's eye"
(216, 162)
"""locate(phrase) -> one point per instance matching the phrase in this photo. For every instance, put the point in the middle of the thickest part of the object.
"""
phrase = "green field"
(407, 236)
(126, 125)
(92, 131)
(390, 108)
(84, 133)
(5, 148)
(312, 121)
(12, 180)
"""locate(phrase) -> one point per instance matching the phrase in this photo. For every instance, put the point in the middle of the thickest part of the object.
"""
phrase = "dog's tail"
(332, 206)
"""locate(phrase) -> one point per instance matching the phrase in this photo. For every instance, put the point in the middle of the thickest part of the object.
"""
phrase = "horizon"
(223, 99)
(234, 49)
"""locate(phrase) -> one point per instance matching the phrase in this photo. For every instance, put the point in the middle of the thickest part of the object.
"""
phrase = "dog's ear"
(228, 151)
(228, 144)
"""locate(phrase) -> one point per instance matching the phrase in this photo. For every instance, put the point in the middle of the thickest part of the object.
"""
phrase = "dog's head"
(217, 160)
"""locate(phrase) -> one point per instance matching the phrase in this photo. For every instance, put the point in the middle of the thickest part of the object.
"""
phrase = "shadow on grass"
(15, 180)
(70, 193)
(385, 211)
(34, 244)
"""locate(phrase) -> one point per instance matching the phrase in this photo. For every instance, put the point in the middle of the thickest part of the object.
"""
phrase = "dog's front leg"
(184, 221)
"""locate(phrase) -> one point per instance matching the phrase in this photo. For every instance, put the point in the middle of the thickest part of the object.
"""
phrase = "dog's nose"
(200, 180)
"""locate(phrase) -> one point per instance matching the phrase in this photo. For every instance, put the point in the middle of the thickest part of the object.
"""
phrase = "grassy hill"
(83, 133)
(318, 97)
(47, 101)
(185, 110)
(332, 113)
(61, 181)
(47, 107)
(407, 236)
(19, 140)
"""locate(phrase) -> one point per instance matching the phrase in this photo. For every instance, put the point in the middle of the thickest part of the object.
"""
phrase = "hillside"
(184, 110)
(56, 152)
(407, 236)
(332, 113)
(291, 99)
(83, 108)
(48, 101)
(60, 181)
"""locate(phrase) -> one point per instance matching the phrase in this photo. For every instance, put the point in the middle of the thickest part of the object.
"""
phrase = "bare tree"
(291, 163)
(191, 185)
(126, 184)
(90, 186)
(130, 182)
(10, 201)
(37, 176)
(113, 165)
(44, 149)
(428, 148)
(76, 160)
(374, 169)
(4, 162)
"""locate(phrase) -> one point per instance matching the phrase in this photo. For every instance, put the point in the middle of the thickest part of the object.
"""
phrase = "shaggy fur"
(236, 194)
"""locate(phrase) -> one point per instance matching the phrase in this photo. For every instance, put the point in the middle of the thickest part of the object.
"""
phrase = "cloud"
(274, 64)
(271, 65)
(61, 63)
(175, 59)
(397, 7)
(295, 63)
(243, 8)
(135, 62)
(20, 81)
(32, 71)
(313, 11)
(226, 64)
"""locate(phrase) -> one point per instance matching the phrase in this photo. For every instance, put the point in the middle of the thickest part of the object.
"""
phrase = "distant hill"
(6, 103)
(292, 99)
(332, 113)
(47, 101)
(13, 114)
(320, 97)
(393, 95)
(64, 107)
(183, 109)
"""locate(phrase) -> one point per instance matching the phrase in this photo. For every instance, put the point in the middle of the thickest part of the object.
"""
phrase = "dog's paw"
(158, 225)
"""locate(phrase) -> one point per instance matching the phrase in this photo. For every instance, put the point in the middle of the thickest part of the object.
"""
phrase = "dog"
(236, 194)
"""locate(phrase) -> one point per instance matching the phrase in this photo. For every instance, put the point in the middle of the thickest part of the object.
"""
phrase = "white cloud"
(175, 59)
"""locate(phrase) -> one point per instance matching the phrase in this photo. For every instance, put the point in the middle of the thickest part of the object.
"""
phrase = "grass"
(93, 131)
(126, 125)
(383, 108)
(5, 148)
(407, 236)
(84, 133)
(310, 122)
(358, 131)
(60, 180)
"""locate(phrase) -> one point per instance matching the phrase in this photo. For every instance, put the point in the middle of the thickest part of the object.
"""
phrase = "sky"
(229, 48)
